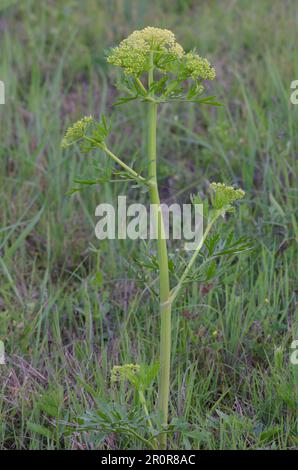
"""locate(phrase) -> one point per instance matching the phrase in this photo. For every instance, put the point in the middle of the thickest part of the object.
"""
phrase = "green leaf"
(172, 86)
(208, 100)
(158, 87)
(124, 100)
(148, 374)
(114, 418)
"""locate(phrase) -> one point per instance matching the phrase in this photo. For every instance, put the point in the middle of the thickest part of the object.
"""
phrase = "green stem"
(144, 404)
(116, 159)
(164, 284)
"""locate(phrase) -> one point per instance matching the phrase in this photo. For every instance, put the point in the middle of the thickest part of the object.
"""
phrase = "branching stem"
(116, 159)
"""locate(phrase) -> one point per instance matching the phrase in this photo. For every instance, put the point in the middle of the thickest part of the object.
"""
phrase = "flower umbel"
(196, 67)
(126, 371)
(76, 131)
(133, 55)
(225, 195)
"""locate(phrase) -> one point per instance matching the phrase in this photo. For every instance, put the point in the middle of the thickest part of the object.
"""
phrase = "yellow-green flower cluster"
(133, 52)
(225, 195)
(198, 67)
(133, 58)
(76, 131)
(124, 372)
(133, 55)
(157, 39)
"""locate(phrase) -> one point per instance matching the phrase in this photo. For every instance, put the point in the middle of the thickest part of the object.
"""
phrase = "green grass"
(71, 307)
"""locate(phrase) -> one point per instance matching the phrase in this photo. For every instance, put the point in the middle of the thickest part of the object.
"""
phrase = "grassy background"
(70, 306)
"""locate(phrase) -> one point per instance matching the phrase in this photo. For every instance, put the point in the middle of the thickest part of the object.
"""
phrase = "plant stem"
(164, 284)
(144, 404)
(129, 170)
(116, 159)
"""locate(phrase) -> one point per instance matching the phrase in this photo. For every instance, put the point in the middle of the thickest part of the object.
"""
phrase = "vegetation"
(74, 309)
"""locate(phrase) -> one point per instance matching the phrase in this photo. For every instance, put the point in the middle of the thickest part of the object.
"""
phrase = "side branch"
(116, 159)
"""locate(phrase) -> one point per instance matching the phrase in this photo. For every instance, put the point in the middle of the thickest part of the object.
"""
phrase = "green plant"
(156, 71)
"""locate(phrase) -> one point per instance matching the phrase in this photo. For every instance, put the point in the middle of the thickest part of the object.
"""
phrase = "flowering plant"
(157, 70)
